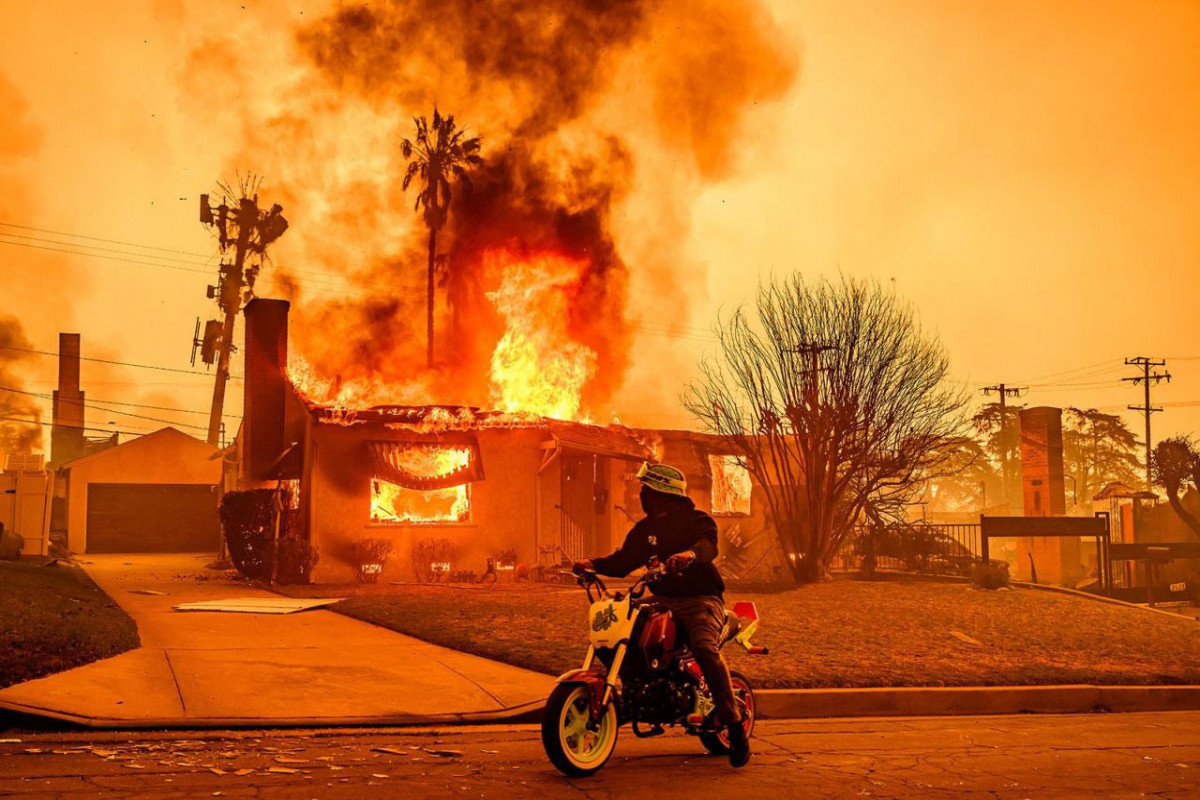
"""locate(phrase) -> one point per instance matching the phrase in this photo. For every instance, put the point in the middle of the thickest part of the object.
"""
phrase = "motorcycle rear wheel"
(717, 742)
(572, 748)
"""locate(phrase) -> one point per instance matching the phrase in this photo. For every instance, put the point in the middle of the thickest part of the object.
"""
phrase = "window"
(395, 505)
(418, 484)
(730, 485)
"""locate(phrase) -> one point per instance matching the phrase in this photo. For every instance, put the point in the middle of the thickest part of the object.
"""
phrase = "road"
(1083, 756)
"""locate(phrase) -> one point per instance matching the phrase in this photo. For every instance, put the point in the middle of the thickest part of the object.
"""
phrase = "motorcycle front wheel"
(717, 742)
(571, 746)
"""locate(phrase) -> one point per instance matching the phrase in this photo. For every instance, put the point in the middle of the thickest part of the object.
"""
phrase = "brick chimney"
(266, 388)
(66, 433)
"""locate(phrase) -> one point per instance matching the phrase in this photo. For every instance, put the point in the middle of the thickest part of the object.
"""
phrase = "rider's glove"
(580, 567)
(680, 561)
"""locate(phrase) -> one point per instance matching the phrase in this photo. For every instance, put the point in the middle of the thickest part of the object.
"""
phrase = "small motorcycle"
(638, 670)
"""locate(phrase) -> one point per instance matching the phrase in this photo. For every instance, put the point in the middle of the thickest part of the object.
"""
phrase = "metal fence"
(942, 549)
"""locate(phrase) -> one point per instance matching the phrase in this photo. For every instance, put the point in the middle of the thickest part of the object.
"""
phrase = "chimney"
(266, 388)
(1042, 462)
(66, 433)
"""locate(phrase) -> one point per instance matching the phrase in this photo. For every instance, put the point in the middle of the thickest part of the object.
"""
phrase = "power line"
(85, 404)
(74, 427)
(99, 239)
(107, 361)
(100, 255)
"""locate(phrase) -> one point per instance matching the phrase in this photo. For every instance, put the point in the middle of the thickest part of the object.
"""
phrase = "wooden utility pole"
(1147, 378)
(1004, 390)
(253, 231)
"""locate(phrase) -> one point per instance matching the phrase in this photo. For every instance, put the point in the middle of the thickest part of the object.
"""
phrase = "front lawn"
(837, 634)
(54, 618)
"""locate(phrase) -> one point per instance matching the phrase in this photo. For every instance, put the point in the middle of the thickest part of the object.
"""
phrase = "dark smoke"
(15, 436)
(544, 82)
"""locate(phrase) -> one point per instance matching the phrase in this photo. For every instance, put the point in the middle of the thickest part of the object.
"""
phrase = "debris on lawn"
(444, 753)
(389, 751)
(258, 605)
(153, 592)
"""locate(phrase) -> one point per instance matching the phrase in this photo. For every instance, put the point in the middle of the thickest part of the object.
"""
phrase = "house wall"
(167, 456)
(337, 481)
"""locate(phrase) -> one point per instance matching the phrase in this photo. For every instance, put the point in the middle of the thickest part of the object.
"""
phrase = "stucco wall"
(166, 456)
(502, 505)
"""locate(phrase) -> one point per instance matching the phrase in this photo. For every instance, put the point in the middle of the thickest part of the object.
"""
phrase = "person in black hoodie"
(685, 539)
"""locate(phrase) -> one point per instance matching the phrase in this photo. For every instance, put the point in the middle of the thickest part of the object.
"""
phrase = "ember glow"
(537, 367)
(397, 505)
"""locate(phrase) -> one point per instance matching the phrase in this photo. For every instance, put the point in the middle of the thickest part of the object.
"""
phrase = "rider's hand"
(680, 561)
(580, 567)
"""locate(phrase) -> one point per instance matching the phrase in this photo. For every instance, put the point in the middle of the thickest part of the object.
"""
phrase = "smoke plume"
(16, 436)
(600, 120)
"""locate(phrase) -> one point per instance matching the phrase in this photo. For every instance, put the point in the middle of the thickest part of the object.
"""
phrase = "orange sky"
(1027, 173)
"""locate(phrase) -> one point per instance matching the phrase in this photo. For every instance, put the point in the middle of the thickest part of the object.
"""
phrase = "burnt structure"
(482, 482)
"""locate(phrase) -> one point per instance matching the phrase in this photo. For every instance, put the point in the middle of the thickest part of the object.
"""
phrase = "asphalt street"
(1045, 756)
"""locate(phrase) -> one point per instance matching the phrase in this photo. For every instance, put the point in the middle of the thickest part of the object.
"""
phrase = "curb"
(972, 700)
(516, 715)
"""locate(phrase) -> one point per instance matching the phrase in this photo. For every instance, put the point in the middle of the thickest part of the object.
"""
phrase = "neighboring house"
(156, 493)
(485, 482)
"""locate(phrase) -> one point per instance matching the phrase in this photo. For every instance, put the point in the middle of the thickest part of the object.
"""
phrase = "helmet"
(663, 478)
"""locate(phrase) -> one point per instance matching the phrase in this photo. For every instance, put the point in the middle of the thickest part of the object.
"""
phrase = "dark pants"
(703, 617)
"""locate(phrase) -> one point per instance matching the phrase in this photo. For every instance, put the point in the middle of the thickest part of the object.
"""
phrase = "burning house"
(483, 482)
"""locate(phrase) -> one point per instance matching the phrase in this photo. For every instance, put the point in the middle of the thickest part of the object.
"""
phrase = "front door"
(579, 477)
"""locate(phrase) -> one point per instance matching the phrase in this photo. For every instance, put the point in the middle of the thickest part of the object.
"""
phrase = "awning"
(611, 441)
(425, 466)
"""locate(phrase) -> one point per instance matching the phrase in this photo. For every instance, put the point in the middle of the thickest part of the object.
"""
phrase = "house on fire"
(486, 482)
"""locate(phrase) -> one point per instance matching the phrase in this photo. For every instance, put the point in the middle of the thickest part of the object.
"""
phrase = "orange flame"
(536, 366)
(395, 505)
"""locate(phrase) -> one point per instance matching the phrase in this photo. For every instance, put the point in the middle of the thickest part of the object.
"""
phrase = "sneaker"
(739, 746)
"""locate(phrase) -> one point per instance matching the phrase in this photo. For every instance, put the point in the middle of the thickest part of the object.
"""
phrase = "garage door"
(152, 518)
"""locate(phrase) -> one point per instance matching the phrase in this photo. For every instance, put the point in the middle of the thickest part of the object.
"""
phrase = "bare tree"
(836, 402)
(1175, 466)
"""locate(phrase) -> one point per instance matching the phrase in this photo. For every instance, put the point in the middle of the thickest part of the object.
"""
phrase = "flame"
(537, 369)
(396, 505)
(537, 366)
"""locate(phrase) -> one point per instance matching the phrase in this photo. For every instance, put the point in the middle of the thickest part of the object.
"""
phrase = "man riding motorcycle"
(685, 538)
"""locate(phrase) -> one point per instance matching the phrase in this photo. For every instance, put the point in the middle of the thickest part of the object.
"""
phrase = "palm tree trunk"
(429, 300)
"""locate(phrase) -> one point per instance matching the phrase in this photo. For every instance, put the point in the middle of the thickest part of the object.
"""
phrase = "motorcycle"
(638, 670)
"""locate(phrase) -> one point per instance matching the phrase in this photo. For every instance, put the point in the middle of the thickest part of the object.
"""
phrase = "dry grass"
(56, 618)
(839, 633)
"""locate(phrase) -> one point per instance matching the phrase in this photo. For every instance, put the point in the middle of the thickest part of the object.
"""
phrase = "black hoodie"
(679, 527)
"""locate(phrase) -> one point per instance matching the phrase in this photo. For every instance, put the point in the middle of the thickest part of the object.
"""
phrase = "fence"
(945, 549)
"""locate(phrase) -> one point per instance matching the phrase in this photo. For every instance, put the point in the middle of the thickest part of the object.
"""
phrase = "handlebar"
(588, 578)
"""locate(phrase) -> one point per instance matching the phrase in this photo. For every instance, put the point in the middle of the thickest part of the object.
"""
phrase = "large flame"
(537, 367)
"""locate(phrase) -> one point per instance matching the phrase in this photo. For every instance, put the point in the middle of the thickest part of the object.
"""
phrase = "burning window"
(730, 485)
(422, 484)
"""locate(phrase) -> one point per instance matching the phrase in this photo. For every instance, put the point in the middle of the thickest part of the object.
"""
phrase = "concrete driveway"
(206, 669)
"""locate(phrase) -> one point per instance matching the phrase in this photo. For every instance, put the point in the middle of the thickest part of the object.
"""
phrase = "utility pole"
(1005, 391)
(813, 351)
(1147, 378)
(248, 231)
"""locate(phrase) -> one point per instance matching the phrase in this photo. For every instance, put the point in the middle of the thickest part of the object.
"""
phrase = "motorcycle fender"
(596, 682)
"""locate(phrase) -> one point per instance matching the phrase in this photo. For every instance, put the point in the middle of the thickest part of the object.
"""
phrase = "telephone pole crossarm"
(1147, 379)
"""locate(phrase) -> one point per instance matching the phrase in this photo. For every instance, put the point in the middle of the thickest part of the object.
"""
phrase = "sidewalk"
(202, 669)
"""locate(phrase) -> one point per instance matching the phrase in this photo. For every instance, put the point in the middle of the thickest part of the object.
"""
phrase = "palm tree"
(438, 154)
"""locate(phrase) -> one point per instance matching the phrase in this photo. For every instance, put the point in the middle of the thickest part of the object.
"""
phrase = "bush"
(428, 554)
(368, 557)
(296, 560)
(993, 575)
(247, 518)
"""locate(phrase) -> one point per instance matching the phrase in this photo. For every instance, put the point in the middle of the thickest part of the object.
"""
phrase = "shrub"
(993, 575)
(368, 557)
(247, 518)
(296, 560)
(428, 554)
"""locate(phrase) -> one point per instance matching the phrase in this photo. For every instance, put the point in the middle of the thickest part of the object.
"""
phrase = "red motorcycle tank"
(657, 640)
